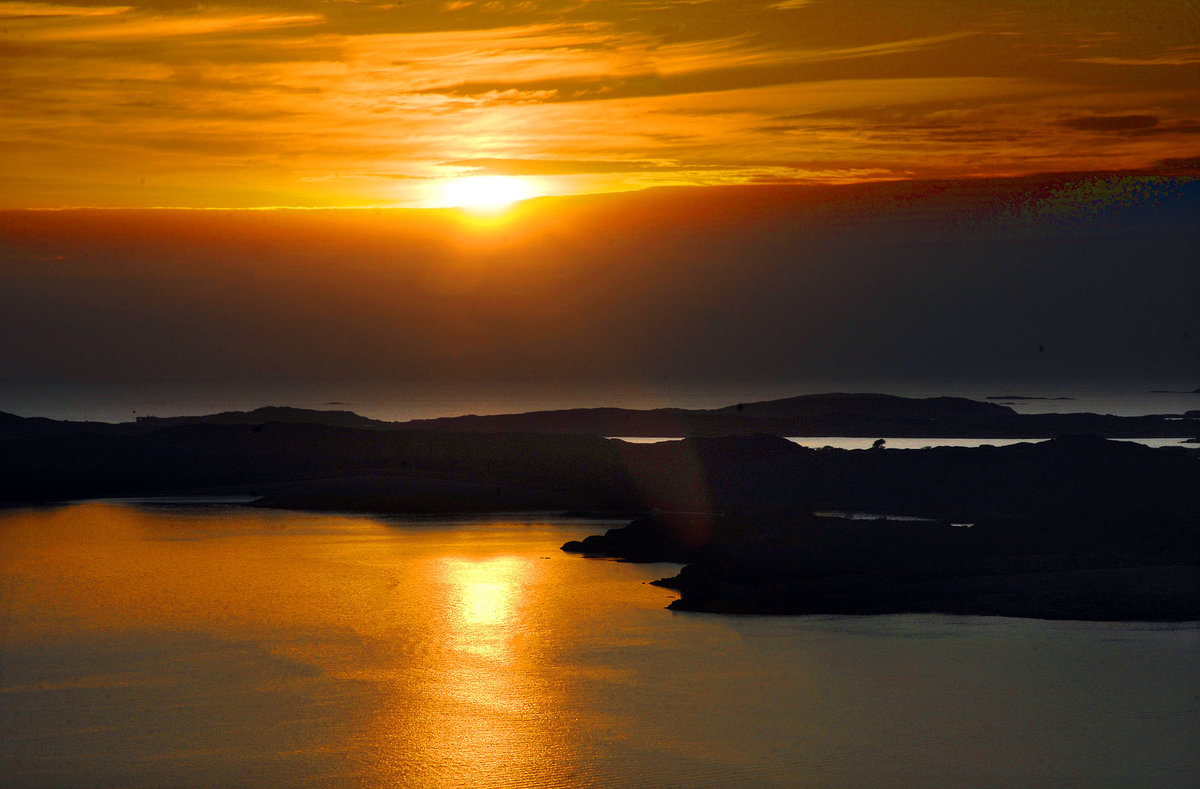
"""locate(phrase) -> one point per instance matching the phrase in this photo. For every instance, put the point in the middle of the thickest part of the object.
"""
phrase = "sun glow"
(486, 595)
(487, 194)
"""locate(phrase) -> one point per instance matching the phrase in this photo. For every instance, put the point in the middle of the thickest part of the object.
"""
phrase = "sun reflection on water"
(489, 709)
(483, 597)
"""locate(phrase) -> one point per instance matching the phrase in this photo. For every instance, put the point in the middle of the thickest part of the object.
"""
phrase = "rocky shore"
(813, 565)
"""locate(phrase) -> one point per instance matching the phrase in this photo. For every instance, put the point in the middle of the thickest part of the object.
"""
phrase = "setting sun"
(485, 193)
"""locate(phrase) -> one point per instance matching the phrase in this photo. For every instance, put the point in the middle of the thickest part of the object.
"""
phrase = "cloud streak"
(1112, 123)
(76, 25)
(11, 11)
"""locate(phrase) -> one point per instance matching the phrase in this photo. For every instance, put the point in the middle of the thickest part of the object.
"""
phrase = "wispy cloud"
(88, 28)
(1111, 123)
(19, 10)
(791, 5)
(558, 166)
(596, 51)
(733, 53)
(1180, 56)
(329, 177)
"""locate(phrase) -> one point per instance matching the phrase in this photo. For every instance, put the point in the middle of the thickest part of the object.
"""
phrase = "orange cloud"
(18, 10)
(97, 25)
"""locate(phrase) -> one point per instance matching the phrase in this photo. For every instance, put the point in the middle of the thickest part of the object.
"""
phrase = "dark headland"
(1078, 527)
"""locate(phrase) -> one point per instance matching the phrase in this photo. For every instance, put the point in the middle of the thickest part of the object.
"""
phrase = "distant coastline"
(1024, 397)
(864, 415)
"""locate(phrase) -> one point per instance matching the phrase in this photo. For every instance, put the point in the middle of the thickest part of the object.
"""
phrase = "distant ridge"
(1024, 397)
(272, 413)
(869, 405)
(834, 414)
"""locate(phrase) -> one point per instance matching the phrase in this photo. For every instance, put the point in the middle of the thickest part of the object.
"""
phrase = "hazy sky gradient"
(344, 102)
(1045, 283)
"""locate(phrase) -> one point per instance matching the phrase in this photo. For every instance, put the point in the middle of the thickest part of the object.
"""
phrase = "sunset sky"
(362, 103)
(938, 194)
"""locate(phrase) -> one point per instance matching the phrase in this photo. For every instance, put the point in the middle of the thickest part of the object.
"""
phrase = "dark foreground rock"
(1076, 528)
(810, 565)
(1160, 592)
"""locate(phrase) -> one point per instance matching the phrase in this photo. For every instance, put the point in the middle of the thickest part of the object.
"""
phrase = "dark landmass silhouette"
(1077, 527)
(863, 415)
(260, 416)
(1024, 397)
(1074, 527)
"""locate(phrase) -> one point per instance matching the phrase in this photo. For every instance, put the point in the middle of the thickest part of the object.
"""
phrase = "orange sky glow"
(329, 103)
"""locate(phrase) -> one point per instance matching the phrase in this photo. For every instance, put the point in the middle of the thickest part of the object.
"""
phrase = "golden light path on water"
(487, 715)
(152, 645)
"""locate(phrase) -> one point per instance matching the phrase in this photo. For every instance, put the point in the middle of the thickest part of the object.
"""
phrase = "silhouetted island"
(862, 415)
(1025, 397)
(1074, 527)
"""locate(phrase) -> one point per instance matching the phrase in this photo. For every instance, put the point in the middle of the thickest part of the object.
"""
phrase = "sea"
(175, 642)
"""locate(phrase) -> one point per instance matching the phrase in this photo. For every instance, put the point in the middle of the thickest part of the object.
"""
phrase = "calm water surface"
(225, 646)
